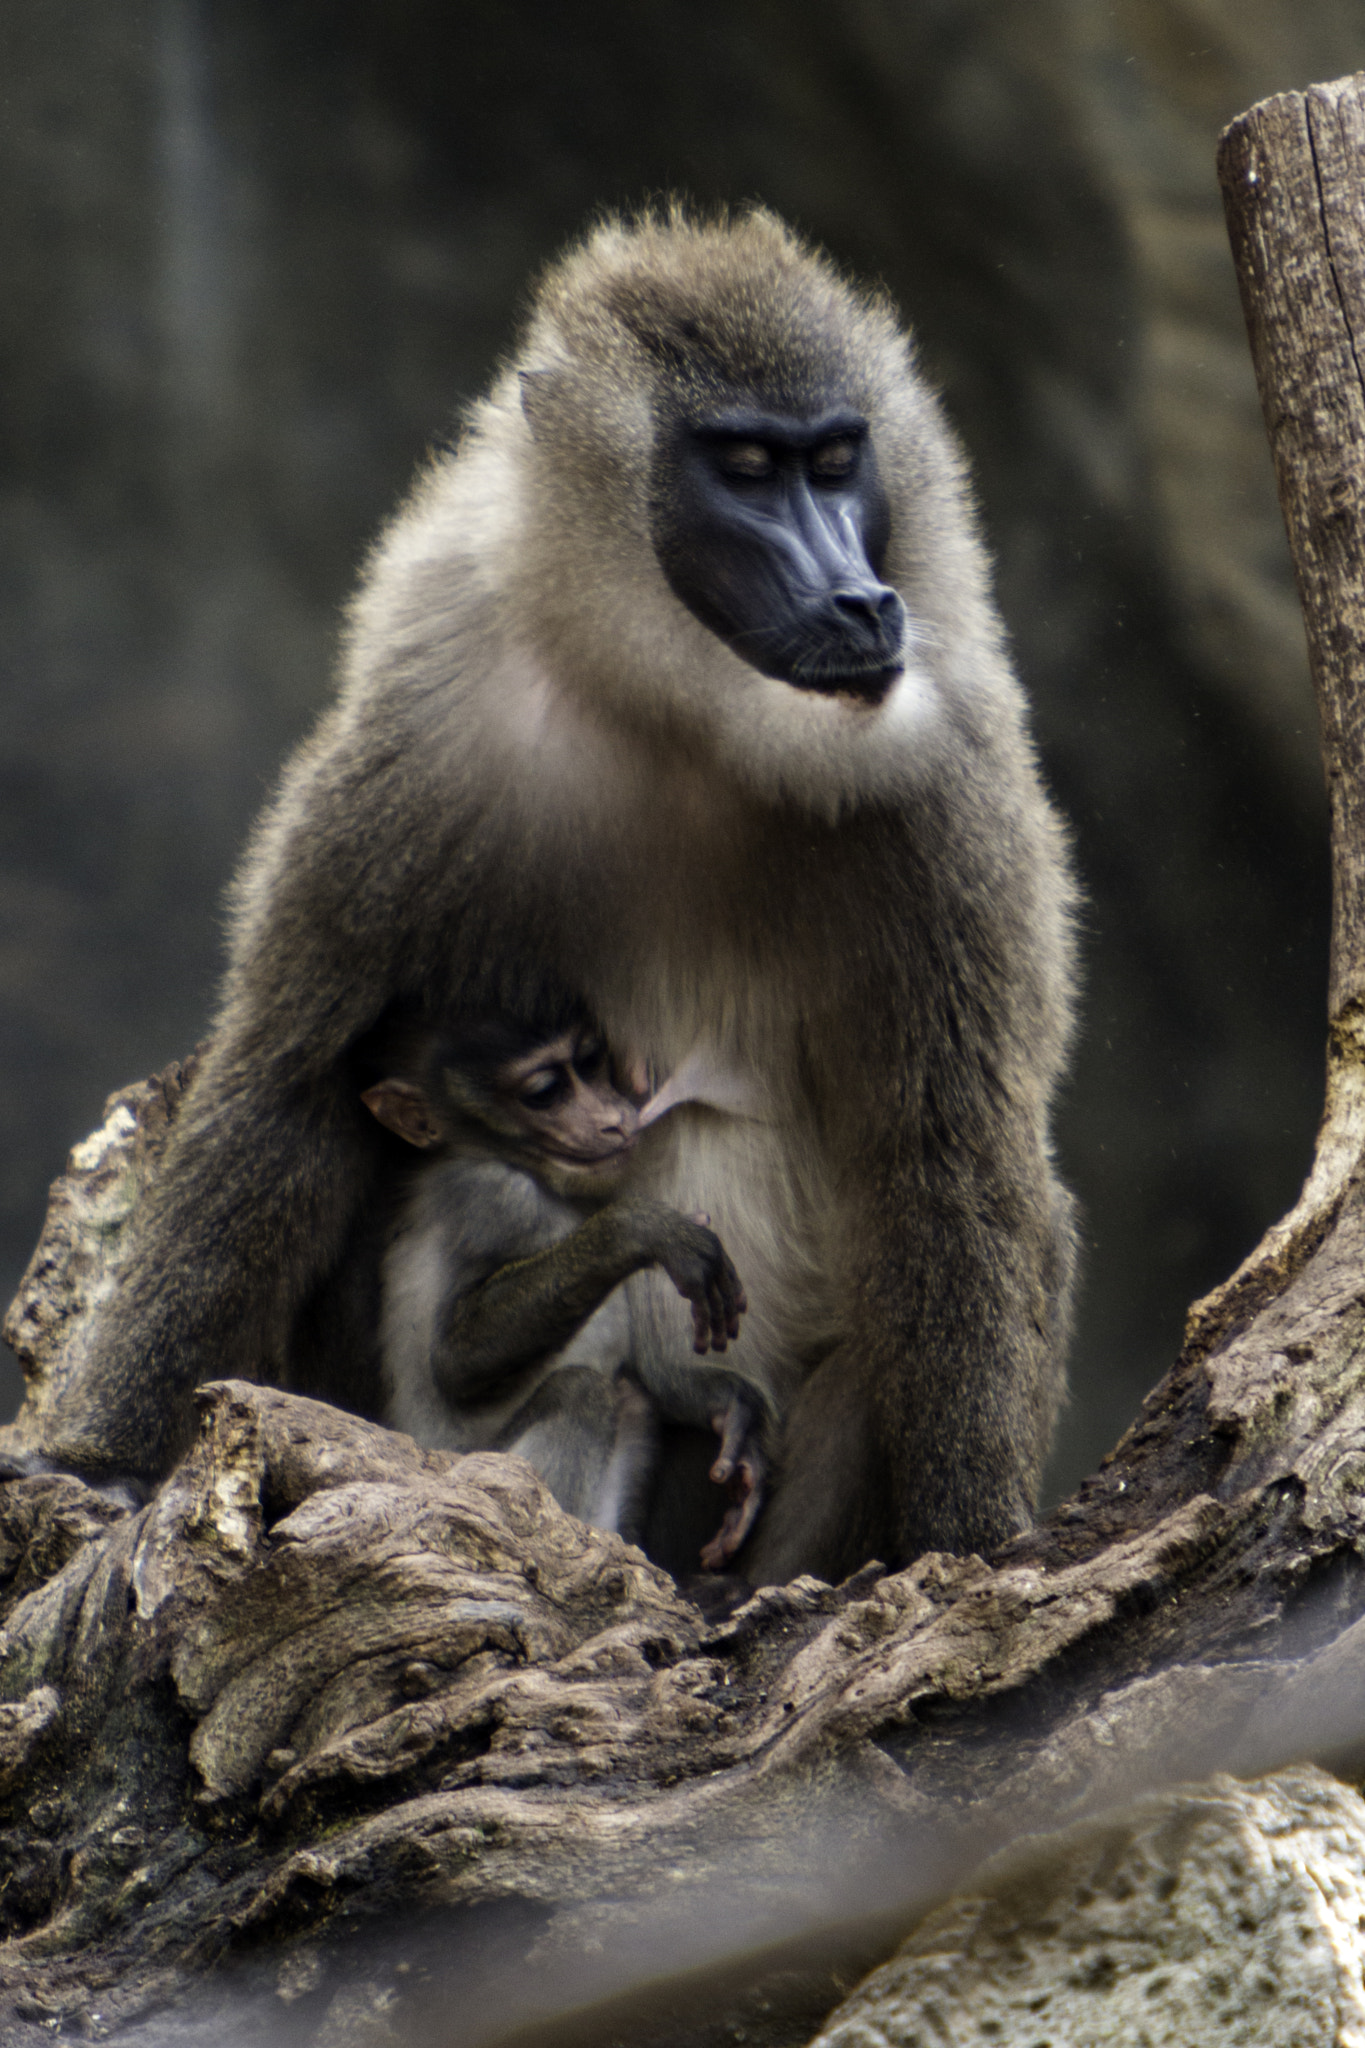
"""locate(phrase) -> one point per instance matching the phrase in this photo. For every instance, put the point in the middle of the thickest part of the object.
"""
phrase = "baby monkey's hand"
(700, 1268)
(697, 1263)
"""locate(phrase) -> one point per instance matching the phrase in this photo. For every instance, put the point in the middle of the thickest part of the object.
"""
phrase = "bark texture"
(340, 1741)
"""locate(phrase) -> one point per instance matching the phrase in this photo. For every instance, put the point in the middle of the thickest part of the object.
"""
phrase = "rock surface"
(1224, 1912)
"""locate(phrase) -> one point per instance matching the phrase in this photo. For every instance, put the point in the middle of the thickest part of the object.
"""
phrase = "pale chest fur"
(656, 892)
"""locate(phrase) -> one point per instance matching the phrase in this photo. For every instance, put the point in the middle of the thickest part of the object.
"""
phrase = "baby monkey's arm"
(530, 1308)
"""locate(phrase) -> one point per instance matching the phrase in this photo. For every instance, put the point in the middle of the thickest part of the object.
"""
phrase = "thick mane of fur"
(546, 506)
(725, 304)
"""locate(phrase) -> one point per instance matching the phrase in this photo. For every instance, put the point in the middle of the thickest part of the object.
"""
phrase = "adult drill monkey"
(678, 681)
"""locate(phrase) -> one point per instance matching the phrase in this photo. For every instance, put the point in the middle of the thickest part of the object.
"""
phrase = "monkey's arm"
(501, 1330)
(269, 1160)
(249, 1209)
(927, 1426)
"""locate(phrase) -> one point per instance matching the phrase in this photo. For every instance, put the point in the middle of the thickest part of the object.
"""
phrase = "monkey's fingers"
(733, 1300)
(735, 1306)
(744, 1513)
(719, 1309)
(710, 1319)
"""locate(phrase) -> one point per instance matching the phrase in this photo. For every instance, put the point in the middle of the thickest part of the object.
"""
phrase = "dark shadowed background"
(257, 253)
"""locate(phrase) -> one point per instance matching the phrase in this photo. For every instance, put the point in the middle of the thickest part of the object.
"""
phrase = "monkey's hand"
(742, 1467)
(697, 1263)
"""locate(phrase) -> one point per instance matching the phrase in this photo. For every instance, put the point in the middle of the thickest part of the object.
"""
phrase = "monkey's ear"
(402, 1107)
(539, 389)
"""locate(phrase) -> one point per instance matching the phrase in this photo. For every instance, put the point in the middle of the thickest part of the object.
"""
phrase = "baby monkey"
(505, 1324)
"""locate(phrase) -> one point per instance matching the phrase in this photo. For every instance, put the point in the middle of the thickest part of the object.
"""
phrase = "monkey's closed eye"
(748, 460)
(832, 461)
(544, 1089)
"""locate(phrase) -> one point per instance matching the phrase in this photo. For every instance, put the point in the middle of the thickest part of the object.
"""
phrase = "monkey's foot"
(123, 1490)
(740, 1517)
(741, 1467)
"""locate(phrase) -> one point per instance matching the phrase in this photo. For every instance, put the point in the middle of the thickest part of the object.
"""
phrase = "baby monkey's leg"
(623, 1498)
(592, 1437)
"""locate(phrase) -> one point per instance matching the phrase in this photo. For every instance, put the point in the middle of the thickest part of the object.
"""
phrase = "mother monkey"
(680, 682)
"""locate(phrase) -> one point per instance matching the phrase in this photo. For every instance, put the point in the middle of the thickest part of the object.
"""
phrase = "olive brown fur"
(830, 873)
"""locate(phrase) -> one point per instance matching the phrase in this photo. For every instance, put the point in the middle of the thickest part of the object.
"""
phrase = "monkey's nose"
(872, 616)
(875, 606)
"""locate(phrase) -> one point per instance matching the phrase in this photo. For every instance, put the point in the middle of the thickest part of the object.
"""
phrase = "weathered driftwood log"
(339, 1741)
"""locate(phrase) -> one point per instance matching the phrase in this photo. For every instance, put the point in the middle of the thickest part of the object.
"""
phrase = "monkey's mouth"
(868, 686)
(591, 1163)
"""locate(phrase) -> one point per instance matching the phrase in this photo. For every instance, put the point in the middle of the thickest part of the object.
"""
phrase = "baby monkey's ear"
(402, 1106)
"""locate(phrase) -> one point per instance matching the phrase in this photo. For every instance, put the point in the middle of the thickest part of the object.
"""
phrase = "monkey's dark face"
(773, 531)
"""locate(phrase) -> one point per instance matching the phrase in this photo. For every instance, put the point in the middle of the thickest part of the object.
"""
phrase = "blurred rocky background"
(257, 253)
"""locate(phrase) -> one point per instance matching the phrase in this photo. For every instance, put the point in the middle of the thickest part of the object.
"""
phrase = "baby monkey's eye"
(542, 1090)
(832, 461)
(747, 459)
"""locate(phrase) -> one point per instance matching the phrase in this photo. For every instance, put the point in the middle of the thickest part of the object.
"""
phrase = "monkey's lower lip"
(869, 686)
(597, 1162)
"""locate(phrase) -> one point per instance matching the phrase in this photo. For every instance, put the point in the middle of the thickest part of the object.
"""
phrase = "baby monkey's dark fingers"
(732, 1298)
(735, 1305)
(718, 1313)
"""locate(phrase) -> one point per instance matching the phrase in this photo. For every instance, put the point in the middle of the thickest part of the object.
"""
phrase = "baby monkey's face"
(561, 1101)
(554, 1109)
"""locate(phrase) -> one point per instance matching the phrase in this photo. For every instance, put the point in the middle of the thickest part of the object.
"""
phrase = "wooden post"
(1292, 171)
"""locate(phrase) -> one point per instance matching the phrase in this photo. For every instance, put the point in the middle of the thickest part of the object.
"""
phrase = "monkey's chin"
(866, 686)
(584, 1180)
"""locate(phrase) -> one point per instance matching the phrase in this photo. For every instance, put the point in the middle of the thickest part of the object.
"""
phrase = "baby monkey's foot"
(742, 1468)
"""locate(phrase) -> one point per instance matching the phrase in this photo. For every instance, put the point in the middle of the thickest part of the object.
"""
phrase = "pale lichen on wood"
(75, 1265)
